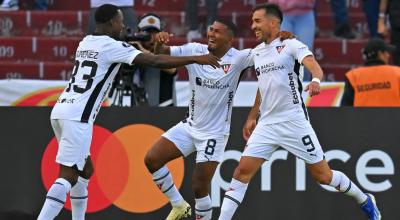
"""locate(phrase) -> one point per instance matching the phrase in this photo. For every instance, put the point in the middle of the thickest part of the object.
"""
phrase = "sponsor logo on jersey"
(66, 101)
(280, 48)
(293, 89)
(266, 68)
(210, 84)
(226, 67)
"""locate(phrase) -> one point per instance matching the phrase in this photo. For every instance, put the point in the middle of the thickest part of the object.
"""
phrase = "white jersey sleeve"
(298, 50)
(122, 52)
(248, 59)
(184, 50)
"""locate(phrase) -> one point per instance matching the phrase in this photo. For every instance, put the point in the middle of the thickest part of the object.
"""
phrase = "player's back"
(97, 61)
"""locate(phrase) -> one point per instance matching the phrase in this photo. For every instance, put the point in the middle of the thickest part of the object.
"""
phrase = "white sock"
(232, 199)
(55, 199)
(165, 183)
(343, 184)
(79, 198)
(203, 208)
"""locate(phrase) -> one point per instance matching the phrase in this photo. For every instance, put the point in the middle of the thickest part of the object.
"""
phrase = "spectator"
(392, 8)
(12, 5)
(158, 83)
(299, 18)
(126, 6)
(371, 10)
(375, 84)
(9, 5)
(40, 5)
(341, 16)
(192, 17)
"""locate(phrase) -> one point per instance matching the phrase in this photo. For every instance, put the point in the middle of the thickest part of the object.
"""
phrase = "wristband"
(315, 79)
(382, 15)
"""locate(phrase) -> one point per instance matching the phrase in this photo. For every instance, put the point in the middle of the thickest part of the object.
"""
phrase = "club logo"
(226, 67)
(280, 48)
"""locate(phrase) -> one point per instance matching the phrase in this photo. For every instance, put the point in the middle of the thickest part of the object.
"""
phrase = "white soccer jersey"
(97, 61)
(212, 90)
(280, 75)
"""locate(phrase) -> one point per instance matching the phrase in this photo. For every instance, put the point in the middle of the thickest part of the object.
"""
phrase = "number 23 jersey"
(97, 61)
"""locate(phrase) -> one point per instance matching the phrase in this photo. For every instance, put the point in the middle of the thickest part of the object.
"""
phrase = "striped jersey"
(212, 90)
(97, 61)
(280, 75)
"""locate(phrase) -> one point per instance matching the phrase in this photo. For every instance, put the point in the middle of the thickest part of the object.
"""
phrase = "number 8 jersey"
(97, 61)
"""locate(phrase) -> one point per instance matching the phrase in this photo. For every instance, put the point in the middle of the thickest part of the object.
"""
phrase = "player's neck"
(100, 30)
(220, 52)
(274, 34)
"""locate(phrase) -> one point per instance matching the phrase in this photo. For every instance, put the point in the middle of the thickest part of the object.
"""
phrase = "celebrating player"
(206, 129)
(284, 121)
(98, 59)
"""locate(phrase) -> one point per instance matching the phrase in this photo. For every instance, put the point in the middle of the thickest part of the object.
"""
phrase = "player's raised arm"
(165, 61)
(252, 118)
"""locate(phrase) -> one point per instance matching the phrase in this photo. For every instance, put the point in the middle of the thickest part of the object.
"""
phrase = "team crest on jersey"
(226, 67)
(280, 48)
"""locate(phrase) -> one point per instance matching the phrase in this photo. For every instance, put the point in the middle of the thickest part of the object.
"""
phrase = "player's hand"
(162, 37)
(208, 59)
(313, 88)
(248, 128)
(284, 35)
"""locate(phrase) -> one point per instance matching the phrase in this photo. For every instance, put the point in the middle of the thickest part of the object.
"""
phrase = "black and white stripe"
(93, 97)
(296, 70)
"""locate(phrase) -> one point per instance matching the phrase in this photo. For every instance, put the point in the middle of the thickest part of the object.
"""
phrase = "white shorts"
(297, 137)
(211, 148)
(74, 139)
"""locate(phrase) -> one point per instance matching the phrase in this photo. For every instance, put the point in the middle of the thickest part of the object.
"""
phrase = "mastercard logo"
(120, 178)
(43, 97)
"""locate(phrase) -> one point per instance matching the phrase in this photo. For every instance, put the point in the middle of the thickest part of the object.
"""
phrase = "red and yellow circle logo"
(120, 177)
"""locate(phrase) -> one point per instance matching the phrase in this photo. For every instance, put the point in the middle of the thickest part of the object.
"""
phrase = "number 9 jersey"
(97, 61)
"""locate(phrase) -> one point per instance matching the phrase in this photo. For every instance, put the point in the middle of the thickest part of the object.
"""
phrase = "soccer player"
(206, 128)
(98, 59)
(284, 121)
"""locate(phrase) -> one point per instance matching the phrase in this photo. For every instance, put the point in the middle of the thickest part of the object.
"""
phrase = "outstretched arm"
(165, 61)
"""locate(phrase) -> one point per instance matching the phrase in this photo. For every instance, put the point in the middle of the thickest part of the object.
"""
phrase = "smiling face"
(263, 25)
(219, 36)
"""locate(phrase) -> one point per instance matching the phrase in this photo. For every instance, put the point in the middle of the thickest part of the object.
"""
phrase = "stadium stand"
(40, 44)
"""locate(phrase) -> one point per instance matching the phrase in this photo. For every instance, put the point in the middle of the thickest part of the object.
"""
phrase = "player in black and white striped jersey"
(98, 59)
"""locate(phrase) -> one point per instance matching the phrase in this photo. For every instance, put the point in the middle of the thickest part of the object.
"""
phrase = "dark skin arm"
(165, 61)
